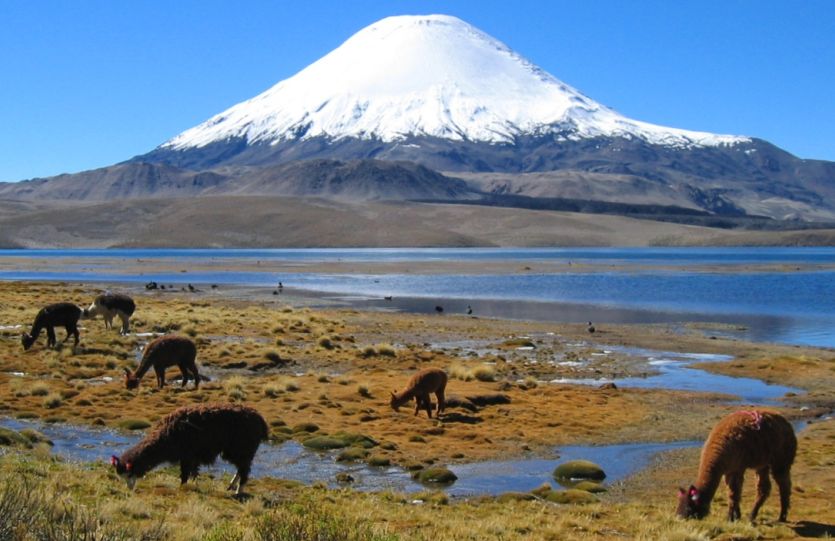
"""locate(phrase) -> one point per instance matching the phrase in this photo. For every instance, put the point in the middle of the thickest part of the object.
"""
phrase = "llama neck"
(144, 456)
(403, 397)
(143, 368)
(707, 483)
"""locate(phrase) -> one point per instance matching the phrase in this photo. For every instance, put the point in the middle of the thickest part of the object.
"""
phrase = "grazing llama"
(62, 314)
(110, 305)
(428, 380)
(761, 440)
(195, 435)
(159, 354)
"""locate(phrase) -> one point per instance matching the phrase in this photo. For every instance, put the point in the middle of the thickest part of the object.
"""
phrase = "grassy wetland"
(323, 378)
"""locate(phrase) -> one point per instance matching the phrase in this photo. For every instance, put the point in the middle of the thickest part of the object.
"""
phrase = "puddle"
(674, 372)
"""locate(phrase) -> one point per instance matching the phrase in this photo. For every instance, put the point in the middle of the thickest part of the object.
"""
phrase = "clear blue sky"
(90, 83)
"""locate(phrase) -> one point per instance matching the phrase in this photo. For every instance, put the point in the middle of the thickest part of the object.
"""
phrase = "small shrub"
(363, 391)
(435, 475)
(325, 342)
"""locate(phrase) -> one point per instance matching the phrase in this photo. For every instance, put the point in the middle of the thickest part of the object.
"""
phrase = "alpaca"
(109, 305)
(165, 351)
(62, 314)
(194, 435)
(761, 440)
(428, 380)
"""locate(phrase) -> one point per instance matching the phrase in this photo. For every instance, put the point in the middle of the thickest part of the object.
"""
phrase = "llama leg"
(75, 334)
(235, 483)
(187, 469)
(417, 405)
(160, 372)
(763, 490)
(784, 484)
(196, 376)
(441, 401)
(734, 481)
(50, 337)
(125, 323)
(184, 372)
(108, 322)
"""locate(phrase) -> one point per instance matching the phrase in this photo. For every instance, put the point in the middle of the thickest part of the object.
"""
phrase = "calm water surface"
(795, 307)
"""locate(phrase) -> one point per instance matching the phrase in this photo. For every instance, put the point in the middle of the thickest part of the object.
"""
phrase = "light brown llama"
(165, 351)
(62, 314)
(757, 439)
(195, 435)
(110, 305)
(428, 380)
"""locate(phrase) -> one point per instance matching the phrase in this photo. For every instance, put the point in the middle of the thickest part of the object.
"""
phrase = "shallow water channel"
(292, 461)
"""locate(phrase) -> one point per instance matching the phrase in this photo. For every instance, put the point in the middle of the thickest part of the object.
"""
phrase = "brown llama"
(428, 380)
(62, 314)
(758, 439)
(195, 435)
(110, 305)
(165, 351)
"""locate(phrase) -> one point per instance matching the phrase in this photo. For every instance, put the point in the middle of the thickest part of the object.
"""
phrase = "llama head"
(690, 503)
(27, 340)
(395, 403)
(124, 470)
(131, 382)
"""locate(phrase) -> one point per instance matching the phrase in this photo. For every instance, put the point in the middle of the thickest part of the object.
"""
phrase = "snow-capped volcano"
(425, 76)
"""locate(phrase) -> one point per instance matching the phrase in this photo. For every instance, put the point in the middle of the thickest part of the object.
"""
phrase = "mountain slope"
(425, 76)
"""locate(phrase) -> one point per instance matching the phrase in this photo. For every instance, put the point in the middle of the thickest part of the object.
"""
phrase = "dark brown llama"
(62, 314)
(428, 380)
(110, 305)
(195, 435)
(757, 439)
(159, 354)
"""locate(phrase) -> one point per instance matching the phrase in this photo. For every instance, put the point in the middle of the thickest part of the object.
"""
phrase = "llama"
(195, 435)
(165, 351)
(109, 305)
(428, 380)
(761, 440)
(62, 314)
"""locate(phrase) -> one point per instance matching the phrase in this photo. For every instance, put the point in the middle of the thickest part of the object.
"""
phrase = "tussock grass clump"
(39, 389)
(364, 391)
(289, 384)
(482, 372)
(272, 390)
(52, 401)
(435, 475)
(326, 342)
(134, 424)
(11, 437)
(579, 469)
(234, 388)
(386, 350)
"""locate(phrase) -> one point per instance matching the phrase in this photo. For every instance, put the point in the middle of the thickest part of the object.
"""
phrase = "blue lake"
(795, 307)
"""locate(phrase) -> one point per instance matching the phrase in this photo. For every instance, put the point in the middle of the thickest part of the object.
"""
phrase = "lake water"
(795, 307)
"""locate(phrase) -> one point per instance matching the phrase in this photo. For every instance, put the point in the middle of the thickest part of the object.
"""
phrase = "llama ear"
(127, 371)
(114, 460)
(681, 492)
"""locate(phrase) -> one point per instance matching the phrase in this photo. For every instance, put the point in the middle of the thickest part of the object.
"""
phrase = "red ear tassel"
(114, 460)
(129, 466)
